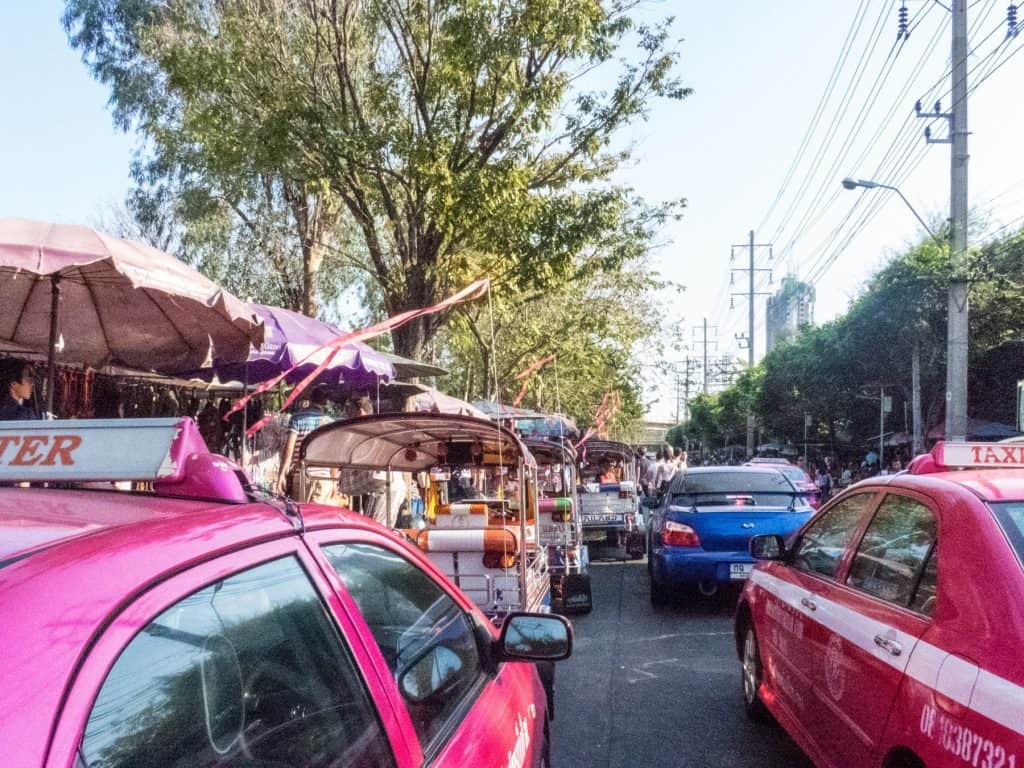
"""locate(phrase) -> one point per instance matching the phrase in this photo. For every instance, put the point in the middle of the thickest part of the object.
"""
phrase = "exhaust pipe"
(708, 588)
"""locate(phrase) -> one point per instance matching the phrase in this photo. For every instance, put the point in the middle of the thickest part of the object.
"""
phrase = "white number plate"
(740, 570)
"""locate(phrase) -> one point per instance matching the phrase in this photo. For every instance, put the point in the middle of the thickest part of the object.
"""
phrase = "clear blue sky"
(758, 69)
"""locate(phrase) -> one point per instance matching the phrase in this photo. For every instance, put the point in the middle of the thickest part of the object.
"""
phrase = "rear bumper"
(691, 566)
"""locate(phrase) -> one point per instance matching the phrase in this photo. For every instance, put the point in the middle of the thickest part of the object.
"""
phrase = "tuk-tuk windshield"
(484, 483)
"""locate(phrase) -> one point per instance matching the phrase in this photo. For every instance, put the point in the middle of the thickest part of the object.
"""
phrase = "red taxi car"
(890, 630)
(199, 625)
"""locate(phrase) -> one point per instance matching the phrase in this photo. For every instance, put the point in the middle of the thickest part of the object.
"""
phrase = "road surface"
(657, 687)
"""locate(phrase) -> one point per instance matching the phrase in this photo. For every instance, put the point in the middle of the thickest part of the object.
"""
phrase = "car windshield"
(1010, 515)
(795, 474)
(738, 490)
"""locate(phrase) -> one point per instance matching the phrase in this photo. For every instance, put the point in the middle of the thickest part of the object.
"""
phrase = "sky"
(758, 78)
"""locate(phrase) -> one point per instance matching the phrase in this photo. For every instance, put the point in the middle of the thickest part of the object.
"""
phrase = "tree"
(453, 136)
(593, 325)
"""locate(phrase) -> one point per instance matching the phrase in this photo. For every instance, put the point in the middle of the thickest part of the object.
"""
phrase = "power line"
(833, 127)
(844, 52)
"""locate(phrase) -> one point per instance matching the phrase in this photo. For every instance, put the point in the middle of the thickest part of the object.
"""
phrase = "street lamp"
(915, 372)
(864, 184)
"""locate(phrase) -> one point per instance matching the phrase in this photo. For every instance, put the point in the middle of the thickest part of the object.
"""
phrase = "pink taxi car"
(889, 631)
(200, 625)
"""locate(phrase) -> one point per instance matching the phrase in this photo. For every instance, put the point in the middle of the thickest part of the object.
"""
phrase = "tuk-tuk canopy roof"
(548, 451)
(595, 450)
(408, 442)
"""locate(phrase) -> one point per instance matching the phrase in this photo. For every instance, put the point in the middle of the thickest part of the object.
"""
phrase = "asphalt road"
(649, 687)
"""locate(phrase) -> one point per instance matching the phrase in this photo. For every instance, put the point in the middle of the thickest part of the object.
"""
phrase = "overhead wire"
(810, 221)
(844, 53)
(817, 270)
(837, 118)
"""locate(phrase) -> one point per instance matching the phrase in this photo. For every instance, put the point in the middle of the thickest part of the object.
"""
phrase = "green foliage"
(825, 370)
(593, 324)
(451, 137)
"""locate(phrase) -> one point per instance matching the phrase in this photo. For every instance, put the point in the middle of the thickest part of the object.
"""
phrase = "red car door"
(792, 638)
(872, 618)
(462, 711)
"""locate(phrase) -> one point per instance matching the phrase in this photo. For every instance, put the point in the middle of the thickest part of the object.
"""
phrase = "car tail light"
(623, 494)
(679, 535)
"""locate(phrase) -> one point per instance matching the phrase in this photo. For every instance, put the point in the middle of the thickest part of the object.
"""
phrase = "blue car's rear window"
(1010, 515)
(733, 489)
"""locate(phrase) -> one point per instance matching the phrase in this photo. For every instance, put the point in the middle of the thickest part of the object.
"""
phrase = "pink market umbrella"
(113, 301)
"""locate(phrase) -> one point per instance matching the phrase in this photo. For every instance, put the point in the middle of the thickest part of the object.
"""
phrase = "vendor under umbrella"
(17, 381)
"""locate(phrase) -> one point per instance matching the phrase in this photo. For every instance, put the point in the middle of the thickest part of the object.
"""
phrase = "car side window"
(822, 544)
(426, 638)
(249, 671)
(890, 559)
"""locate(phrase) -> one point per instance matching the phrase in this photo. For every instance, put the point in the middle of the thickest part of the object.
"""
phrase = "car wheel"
(751, 671)
(659, 595)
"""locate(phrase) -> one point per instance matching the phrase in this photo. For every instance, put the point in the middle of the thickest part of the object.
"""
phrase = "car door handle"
(808, 604)
(889, 644)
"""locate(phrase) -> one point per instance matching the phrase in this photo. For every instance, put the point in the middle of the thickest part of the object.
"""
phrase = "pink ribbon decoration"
(610, 405)
(527, 375)
(473, 291)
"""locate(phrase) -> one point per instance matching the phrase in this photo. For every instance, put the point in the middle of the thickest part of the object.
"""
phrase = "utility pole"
(697, 329)
(957, 303)
(957, 341)
(751, 295)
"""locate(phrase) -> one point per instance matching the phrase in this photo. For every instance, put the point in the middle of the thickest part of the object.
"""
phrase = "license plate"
(602, 519)
(740, 570)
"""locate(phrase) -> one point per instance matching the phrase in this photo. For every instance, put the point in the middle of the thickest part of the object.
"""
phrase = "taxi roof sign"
(979, 455)
(76, 450)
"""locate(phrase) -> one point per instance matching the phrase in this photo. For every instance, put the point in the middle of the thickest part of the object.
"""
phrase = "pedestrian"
(17, 381)
(846, 478)
(680, 460)
(824, 482)
(666, 468)
(649, 475)
(310, 416)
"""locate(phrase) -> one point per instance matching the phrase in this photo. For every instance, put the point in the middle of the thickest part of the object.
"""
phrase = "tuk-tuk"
(609, 498)
(478, 485)
(561, 530)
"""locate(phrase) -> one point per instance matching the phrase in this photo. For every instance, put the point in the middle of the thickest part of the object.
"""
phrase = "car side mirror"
(431, 674)
(534, 637)
(768, 546)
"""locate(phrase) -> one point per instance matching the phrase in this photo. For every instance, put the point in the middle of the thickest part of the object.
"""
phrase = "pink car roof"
(70, 558)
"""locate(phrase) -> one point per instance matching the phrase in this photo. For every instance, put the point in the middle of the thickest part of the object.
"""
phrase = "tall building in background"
(789, 310)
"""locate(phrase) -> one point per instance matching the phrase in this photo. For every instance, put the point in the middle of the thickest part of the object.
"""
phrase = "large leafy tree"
(593, 324)
(454, 137)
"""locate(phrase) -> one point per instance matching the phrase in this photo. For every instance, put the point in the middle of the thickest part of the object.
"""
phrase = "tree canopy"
(419, 144)
(829, 371)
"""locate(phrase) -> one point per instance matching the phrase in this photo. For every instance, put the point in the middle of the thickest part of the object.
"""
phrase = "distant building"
(789, 310)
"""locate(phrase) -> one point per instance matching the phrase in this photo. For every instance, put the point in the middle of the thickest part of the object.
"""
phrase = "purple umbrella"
(290, 343)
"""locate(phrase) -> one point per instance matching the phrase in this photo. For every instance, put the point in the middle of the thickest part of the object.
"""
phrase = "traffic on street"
(511, 384)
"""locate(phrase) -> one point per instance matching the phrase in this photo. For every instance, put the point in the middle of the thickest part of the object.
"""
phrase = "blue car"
(699, 535)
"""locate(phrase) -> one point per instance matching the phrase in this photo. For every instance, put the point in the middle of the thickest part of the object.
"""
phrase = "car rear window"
(735, 489)
(1010, 515)
(795, 474)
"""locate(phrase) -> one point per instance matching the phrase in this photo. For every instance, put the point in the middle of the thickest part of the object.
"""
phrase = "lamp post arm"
(912, 210)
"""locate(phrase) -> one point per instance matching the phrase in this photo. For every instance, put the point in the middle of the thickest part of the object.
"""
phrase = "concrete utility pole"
(957, 332)
(751, 294)
(957, 306)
